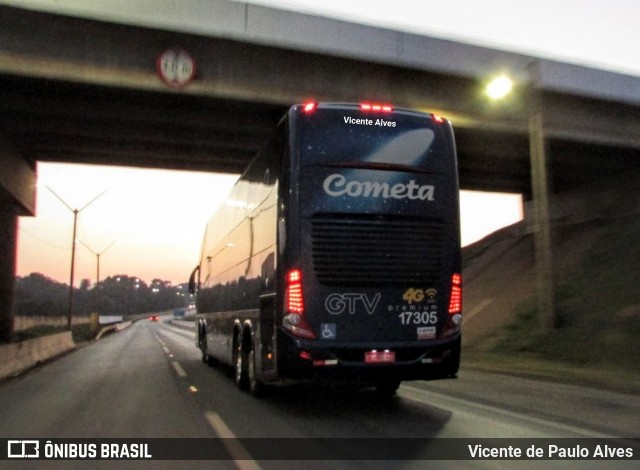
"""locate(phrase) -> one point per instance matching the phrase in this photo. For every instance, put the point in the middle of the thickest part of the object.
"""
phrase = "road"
(149, 382)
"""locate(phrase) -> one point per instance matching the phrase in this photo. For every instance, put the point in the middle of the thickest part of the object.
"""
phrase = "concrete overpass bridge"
(82, 84)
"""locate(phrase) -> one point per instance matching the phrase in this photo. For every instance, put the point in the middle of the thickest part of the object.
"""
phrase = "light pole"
(497, 89)
(541, 191)
(73, 245)
(97, 268)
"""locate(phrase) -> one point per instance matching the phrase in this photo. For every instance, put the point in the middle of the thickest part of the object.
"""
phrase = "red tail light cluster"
(455, 302)
(293, 293)
(454, 321)
(294, 319)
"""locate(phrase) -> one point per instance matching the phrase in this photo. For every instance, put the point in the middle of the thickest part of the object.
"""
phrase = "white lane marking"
(477, 309)
(242, 459)
(190, 334)
(430, 398)
(166, 349)
(179, 370)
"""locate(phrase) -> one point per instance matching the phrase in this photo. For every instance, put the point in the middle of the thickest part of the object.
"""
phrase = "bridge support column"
(545, 278)
(8, 229)
(17, 197)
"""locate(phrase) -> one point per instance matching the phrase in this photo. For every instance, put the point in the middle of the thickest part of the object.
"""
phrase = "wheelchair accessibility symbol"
(328, 330)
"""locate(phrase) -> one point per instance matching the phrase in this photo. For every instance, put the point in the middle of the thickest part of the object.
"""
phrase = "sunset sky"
(153, 220)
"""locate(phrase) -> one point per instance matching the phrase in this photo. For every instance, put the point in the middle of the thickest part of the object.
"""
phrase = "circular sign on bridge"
(176, 67)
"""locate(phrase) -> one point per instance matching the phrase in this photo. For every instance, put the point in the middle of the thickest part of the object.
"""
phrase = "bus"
(336, 256)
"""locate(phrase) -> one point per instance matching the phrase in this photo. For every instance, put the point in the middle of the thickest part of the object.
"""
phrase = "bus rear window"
(354, 137)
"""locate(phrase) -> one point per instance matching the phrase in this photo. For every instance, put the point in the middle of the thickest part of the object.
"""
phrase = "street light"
(73, 245)
(98, 267)
(499, 87)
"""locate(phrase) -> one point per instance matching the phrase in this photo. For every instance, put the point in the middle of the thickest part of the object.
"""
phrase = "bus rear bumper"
(415, 361)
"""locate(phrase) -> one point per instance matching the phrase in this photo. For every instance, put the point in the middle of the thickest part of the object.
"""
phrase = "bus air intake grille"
(369, 252)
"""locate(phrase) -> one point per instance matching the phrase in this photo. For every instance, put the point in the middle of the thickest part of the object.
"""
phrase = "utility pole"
(97, 268)
(73, 246)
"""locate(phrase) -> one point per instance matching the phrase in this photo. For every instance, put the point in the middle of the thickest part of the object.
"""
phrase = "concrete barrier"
(16, 357)
(22, 322)
(114, 327)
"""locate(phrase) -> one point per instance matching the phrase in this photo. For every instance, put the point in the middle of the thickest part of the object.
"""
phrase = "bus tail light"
(455, 302)
(293, 292)
(294, 319)
(454, 321)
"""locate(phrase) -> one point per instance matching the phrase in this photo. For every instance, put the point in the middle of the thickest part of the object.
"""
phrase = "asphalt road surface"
(149, 382)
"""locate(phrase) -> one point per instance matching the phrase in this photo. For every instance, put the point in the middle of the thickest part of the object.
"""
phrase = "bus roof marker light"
(309, 107)
(438, 119)
(376, 107)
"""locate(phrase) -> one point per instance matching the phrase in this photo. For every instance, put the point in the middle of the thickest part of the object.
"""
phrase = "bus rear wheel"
(452, 363)
(242, 374)
(387, 387)
(208, 359)
(256, 387)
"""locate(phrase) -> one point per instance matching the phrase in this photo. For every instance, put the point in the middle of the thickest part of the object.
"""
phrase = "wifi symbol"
(431, 293)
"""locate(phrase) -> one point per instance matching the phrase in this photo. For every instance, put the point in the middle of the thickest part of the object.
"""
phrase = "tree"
(36, 294)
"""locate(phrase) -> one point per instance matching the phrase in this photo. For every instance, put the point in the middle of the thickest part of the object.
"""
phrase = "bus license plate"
(379, 357)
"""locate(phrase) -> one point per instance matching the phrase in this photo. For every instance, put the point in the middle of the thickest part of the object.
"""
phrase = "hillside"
(597, 258)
